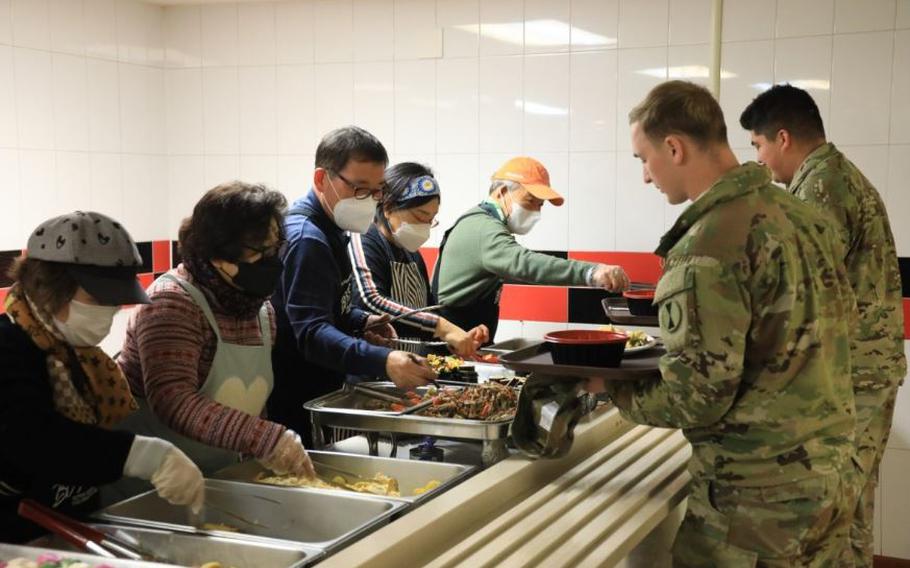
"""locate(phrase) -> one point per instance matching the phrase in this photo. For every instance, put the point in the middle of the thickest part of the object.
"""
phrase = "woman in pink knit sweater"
(198, 357)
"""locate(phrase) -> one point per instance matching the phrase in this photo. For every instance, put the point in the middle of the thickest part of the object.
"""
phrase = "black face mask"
(259, 278)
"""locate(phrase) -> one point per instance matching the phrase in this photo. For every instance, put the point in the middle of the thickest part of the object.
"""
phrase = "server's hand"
(612, 278)
(289, 456)
(462, 343)
(381, 334)
(407, 370)
(174, 475)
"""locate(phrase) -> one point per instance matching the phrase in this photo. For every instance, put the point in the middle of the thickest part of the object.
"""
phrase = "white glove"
(289, 456)
(174, 475)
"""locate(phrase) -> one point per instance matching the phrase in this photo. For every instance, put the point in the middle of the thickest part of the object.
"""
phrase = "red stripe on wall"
(640, 266)
(3, 292)
(906, 318)
(145, 280)
(161, 256)
(429, 258)
(534, 303)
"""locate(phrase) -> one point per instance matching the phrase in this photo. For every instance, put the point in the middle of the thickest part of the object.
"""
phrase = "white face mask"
(412, 235)
(352, 214)
(87, 324)
(521, 220)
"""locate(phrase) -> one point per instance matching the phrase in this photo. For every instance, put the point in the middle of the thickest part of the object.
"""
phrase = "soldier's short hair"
(784, 107)
(681, 107)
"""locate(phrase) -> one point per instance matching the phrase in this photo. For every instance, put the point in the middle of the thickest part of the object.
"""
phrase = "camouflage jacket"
(755, 311)
(828, 180)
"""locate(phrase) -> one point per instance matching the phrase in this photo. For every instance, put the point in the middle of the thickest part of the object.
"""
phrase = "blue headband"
(424, 186)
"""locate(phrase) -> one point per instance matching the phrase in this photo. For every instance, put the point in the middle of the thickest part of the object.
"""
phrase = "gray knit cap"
(97, 251)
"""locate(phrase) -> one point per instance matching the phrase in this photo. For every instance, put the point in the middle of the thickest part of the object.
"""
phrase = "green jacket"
(830, 182)
(755, 311)
(481, 253)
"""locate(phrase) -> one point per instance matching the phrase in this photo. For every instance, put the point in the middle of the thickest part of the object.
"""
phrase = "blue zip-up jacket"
(315, 348)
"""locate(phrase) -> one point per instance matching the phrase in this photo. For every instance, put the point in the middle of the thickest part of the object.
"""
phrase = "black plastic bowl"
(590, 348)
(641, 302)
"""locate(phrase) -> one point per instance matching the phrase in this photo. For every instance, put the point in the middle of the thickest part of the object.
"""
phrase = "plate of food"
(638, 340)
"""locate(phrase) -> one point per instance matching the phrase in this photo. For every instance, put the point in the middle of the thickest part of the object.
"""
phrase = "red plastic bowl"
(593, 348)
(640, 302)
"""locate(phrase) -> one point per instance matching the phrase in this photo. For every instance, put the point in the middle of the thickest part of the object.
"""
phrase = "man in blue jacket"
(317, 323)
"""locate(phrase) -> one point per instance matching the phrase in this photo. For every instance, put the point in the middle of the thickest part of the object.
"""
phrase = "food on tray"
(444, 364)
(379, 484)
(637, 338)
(489, 401)
(49, 560)
(489, 358)
(431, 485)
(219, 527)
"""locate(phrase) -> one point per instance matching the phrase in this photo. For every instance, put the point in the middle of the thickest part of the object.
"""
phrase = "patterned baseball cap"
(97, 251)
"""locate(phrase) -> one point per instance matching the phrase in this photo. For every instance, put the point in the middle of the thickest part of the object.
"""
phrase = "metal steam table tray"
(538, 359)
(340, 409)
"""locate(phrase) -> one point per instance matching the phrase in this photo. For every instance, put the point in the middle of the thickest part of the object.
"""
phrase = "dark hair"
(784, 107)
(47, 284)
(228, 218)
(681, 107)
(397, 179)
(342, 145)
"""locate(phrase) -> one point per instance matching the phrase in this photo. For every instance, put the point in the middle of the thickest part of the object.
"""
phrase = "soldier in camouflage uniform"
(754, 313)
(788, 134)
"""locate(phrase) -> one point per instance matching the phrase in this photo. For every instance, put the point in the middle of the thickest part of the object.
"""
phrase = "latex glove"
(175, 477)
(612, 278)
(289, 456)
(407, 370)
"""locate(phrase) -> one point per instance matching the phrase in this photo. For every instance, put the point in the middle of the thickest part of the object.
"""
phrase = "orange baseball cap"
(532, 175)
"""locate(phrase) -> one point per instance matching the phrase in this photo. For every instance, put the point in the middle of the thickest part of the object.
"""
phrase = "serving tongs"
(389, 397)
(83, 536)
(198, 519)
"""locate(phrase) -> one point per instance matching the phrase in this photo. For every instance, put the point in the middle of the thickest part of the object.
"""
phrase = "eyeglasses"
(433, 223)
(276, 249)
(363, 192)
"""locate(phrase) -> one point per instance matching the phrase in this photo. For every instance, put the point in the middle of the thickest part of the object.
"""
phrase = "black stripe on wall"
(175, 256)
(904, 263)
(145, 251)
(585, 305)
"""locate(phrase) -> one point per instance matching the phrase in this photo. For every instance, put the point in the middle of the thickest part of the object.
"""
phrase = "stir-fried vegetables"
(489, 401)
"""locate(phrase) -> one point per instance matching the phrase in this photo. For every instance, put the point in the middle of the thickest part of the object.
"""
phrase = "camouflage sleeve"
(704, 318)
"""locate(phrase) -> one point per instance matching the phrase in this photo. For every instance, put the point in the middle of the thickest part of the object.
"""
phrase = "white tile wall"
(294, 32)
(807, 17)
(592, 108)
(552, 231)
(900, 91)
(690, 21)
(860, 16)
(415, 106)
(6, 28)
(256, 34)
(221, 110)
(9, 135)
(67, 26)
(547, 28)
(220, 35)
(374, 30)
(459, 22)
(595, 24)
(374, 99)
(296, 107)
(416, 34)
(747, 20)
(501, 102)
(592, 177)
(333, 36)
(258, 118)
(861, 88)
(501, 27)
(457, 108)
(897, 197)
(11, 231)
(546, 104)
(750, 68)
(895, 504)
